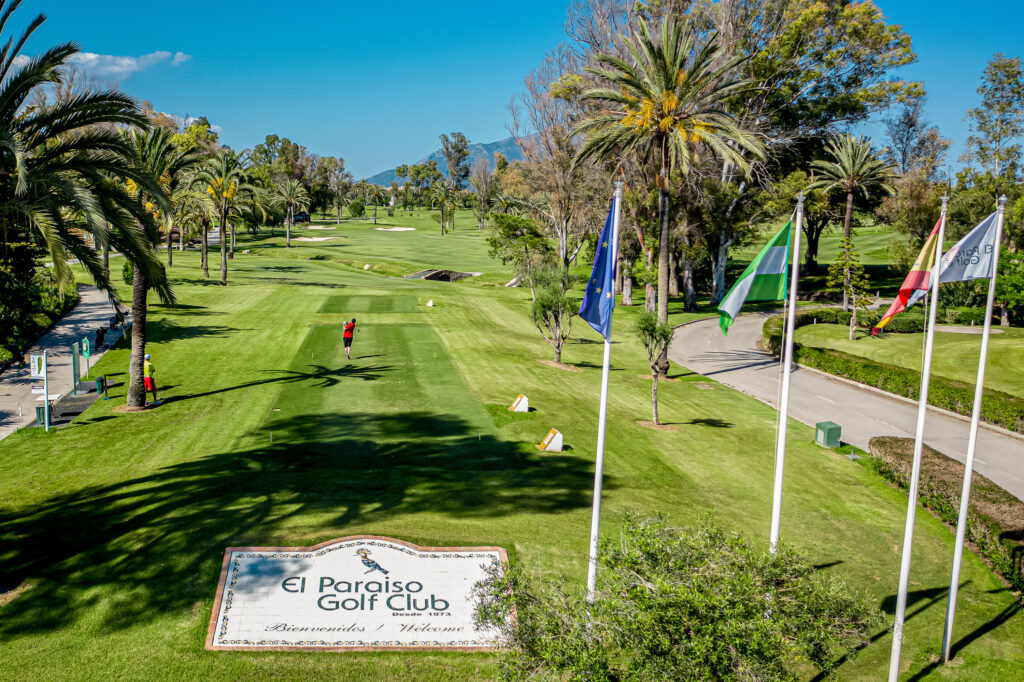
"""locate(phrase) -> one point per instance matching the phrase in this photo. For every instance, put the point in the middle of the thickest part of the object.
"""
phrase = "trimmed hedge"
(1001, 409)
(995, 519)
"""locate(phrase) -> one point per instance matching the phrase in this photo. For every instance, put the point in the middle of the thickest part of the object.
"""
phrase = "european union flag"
(599, 297)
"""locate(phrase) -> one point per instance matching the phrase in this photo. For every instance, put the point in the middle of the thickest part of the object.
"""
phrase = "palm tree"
(193, 209)
(64, 167)
(227, 184)
(507, 203)
(668, 103)
(154, 151)
(377, 195)
(446, 196)
(854, 168)
(291, 195)
(256, 209)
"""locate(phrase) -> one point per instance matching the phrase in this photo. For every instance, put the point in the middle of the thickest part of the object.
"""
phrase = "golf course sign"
(356, 593)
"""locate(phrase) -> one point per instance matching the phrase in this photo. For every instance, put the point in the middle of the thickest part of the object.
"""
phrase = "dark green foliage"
(995, 520)
(356, 208)
(1010, 286)
(127, 273)
(553, 309)
(31, 300)
(677, 604)
(518, 242)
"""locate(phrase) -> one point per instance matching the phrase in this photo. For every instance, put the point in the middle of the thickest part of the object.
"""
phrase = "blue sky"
(377, 83)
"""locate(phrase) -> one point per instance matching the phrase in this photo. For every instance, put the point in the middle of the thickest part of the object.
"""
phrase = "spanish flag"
(917, 280)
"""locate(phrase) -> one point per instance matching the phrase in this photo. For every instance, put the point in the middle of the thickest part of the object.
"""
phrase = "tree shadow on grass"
(166, 330)
(324, 377)
(132, 550)
(1005, 615)
(918, 601)
(716, 423)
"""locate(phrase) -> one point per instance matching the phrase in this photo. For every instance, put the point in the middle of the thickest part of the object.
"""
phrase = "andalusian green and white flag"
(763, 280)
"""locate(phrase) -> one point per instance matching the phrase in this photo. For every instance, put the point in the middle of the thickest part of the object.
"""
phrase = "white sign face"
(356, 593)
(35, 365)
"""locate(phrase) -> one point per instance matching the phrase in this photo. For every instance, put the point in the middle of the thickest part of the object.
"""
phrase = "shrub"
(31, 300)
(677, 604)
(995, 518)
(127, 273)
(966, 315)
(356, 208)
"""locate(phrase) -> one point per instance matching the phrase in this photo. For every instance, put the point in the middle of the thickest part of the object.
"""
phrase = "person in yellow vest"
(149, 377)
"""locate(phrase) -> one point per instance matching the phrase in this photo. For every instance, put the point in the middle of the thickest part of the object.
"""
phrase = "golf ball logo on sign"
(362, 592)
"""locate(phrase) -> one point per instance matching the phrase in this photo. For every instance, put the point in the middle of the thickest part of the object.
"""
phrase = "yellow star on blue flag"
(597, 309)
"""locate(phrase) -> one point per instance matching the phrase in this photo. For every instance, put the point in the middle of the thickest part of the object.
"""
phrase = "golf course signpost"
(357, 593)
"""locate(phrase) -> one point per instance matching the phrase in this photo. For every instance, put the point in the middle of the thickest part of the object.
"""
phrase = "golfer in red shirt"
(350, 330)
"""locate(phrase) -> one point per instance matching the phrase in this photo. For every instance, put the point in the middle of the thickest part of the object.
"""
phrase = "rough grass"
(115, 526)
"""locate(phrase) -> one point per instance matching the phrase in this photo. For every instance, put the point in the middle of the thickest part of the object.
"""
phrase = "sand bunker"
(320, 227)
(442, 275)
(313, 239)
(396, 229)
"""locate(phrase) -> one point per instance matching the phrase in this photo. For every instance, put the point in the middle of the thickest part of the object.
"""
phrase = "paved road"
(91, 311)
(863, 413)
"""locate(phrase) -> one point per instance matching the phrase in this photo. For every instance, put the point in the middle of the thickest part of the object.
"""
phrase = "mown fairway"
(955, 357)
(117, 524)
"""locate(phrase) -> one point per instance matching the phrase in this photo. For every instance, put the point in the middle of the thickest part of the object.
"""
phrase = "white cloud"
(20, 61)
(116, 67)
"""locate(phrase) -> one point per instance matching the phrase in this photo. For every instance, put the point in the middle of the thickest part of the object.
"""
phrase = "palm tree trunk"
(664, 227)
(136, 389)
(627, 288)
(181, 239)
(223, 252)
(106, 259)
(288, 229)
(673, 274)
(231, 252)
(847, 221)
(654, 395)
(170, 247)
(205, 258)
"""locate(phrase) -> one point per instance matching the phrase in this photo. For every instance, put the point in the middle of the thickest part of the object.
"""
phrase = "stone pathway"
(92, 311)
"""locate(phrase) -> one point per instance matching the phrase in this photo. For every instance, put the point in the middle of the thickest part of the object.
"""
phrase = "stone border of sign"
(225, 566)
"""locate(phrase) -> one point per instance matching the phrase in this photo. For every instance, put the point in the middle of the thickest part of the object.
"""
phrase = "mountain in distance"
(477, 150)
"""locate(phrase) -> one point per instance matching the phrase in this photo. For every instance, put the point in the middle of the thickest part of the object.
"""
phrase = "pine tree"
(847, 273)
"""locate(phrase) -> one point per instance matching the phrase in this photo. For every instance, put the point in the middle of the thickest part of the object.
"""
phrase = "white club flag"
(971, 257)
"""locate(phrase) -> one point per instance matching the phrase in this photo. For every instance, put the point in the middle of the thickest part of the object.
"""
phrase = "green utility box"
(828, 434)
(40, 415)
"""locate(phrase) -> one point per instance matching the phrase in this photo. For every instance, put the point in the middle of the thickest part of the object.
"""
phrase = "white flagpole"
(595, 518)
(965, 494)
(46, 395)
(780, 436)
(915, 474)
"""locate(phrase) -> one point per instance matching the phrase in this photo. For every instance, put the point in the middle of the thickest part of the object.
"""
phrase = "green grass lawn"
(118, 523)
(955, 355)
